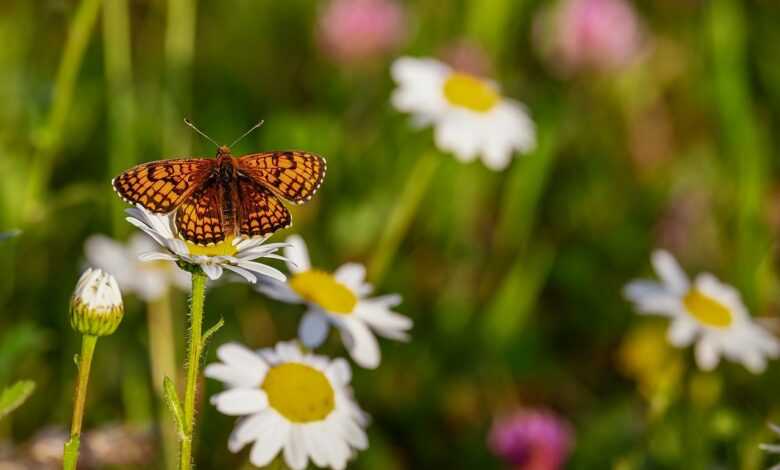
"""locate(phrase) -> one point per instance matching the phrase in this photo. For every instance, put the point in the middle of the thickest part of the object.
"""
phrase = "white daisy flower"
(236, 254)
(772, 448)
(339, 299)
(707, 312)
(469, 115)
(148, 280)
(291, 402)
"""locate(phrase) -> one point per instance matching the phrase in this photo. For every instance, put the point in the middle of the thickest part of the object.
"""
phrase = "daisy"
(292, 402)
(469, 115)
(339, 299)
(707, 312)
(234, 254)
(149, 281)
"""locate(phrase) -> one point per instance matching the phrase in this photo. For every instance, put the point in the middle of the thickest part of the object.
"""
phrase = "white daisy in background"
(338, 299)
(148, 280)
(772, 448)
(706, 312)
(292, 402)
(234, 254)
(469, 115)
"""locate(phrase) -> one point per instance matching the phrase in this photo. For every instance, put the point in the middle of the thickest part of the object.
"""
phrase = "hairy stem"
(193, 367)
(71, 455)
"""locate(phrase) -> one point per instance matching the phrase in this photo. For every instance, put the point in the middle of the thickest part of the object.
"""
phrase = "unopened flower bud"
(96, 307)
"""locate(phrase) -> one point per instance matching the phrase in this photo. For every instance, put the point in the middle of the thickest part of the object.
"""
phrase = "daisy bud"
(96, 307)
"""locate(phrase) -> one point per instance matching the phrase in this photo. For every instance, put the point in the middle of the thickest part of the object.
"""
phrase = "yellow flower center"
(470, 92)
(224, 248)
(707, 310)
(324, 290)
(300, 393)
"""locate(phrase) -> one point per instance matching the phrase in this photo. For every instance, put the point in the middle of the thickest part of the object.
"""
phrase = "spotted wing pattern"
(293, 175)
(261, 212)
(163, 185)
(199, 219)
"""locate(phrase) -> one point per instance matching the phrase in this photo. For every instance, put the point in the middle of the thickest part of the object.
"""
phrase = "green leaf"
(210, 332)
(172, 399)
(14, 396)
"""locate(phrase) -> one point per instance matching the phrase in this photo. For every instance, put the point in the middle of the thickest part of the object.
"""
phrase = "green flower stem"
(71, 456)
(162, 356)
(403, 213)
(79, 33)
(193, 367)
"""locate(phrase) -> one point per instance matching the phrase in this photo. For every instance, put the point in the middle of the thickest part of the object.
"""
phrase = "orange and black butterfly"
(218, 197)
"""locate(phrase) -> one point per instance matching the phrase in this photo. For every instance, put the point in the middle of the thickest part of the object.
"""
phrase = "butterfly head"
(223, 151)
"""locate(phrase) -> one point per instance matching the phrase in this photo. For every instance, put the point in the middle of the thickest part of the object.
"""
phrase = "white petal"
(242, 358)
(339, 451)
(277, 290)
(157, 256)
(297, 253)
(360, 343)
(639, 290)
(650, 297)
(263, 270)
(513, 121)
(386, 322)
(240, 401)
(268, 445)
(707, 356)
(754, 361)
(313, 329)
(455, 134)
(340, 371)
(354, 434)
(497, 154)
(295, 450)
(233, 376)
(670, 272)
(420, 87)
(250, 278)
(352, 276)
(313, 439)
(248, 429)
(682, 332)
(213, 271)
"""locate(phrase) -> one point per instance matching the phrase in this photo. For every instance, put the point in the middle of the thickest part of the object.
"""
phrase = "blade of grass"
(121, 103)
(516, 296)
(50, 138)
(177, 96)
(744, 139)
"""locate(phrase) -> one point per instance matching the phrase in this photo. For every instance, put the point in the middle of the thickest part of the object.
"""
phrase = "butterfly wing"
(261, 212)
(292, 175)
(199, 218)
(163, 185)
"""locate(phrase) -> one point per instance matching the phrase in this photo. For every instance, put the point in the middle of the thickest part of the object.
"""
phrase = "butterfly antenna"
(189, 123)
(247, 132)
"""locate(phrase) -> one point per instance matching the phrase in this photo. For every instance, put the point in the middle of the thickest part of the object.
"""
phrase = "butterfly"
(214, 198)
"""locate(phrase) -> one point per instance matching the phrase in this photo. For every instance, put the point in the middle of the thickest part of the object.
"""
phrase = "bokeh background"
(656, 127)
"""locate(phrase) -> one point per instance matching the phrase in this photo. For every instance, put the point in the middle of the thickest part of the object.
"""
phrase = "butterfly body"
(214, 198)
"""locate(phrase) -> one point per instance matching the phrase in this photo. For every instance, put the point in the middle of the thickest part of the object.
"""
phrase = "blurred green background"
(513, 278)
